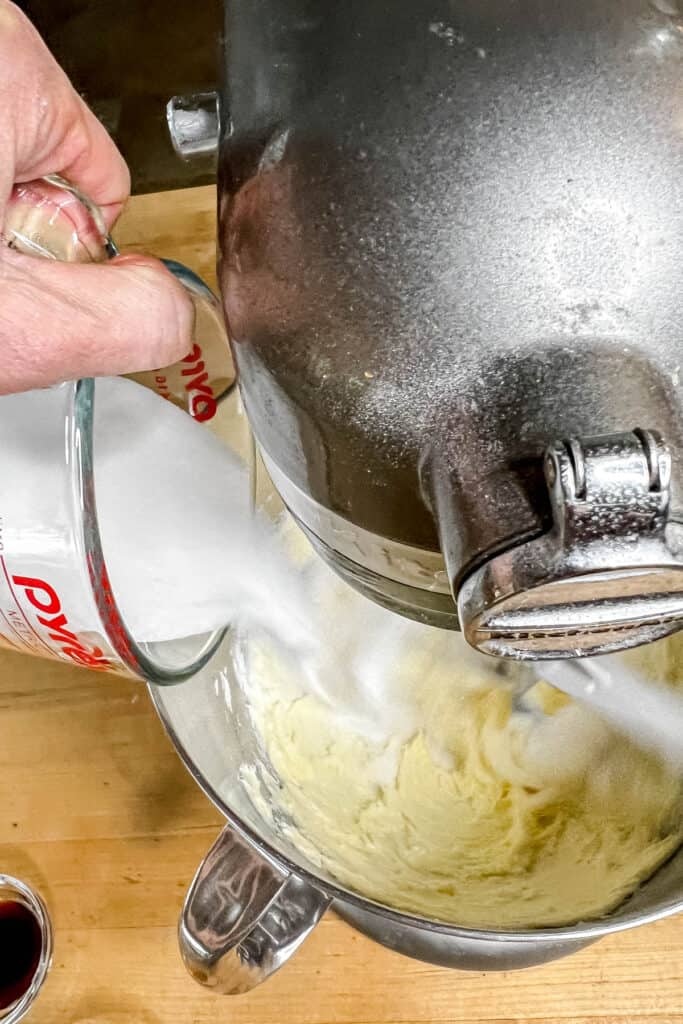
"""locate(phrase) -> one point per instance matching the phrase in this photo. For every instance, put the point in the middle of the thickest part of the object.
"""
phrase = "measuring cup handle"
(244, 916)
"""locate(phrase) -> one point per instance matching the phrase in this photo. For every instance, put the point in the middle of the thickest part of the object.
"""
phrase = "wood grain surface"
(99, 814)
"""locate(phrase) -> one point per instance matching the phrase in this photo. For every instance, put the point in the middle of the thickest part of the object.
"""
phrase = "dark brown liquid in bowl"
(20, 946)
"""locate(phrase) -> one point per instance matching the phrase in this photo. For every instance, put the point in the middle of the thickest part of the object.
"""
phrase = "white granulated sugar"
(184, 553)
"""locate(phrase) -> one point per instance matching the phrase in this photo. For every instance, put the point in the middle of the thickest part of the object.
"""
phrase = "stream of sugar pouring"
(648, 713)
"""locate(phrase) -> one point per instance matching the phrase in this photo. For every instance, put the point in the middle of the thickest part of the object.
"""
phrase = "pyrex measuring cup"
(56, 597)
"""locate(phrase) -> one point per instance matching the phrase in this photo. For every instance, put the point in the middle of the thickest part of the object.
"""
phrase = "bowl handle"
(244, 916)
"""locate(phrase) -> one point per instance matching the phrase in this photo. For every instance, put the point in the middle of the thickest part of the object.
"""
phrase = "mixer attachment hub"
(606, 576)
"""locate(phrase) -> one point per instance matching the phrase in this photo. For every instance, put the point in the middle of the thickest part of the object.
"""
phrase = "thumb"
(61, 321)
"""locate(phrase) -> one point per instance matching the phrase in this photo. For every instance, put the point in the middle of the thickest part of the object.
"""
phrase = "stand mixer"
(449, 238)
(449, 260)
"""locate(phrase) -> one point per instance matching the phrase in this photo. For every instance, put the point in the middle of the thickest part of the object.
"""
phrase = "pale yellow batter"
(443, 793)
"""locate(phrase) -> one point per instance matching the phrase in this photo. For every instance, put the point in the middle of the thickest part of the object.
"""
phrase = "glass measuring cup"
(56, 597)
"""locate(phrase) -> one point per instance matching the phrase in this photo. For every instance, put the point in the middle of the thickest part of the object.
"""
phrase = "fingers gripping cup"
(109, 496)
(53, 220)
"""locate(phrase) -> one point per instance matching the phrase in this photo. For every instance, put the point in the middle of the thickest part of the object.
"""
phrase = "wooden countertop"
(98, 812)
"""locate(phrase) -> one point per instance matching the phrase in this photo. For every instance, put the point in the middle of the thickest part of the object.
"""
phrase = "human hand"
(59, 321)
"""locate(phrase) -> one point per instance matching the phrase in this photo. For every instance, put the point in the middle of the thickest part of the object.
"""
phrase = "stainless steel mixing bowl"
(255, 897)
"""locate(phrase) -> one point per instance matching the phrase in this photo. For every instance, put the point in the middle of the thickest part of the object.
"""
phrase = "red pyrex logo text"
(45, 600)
(203, 402)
